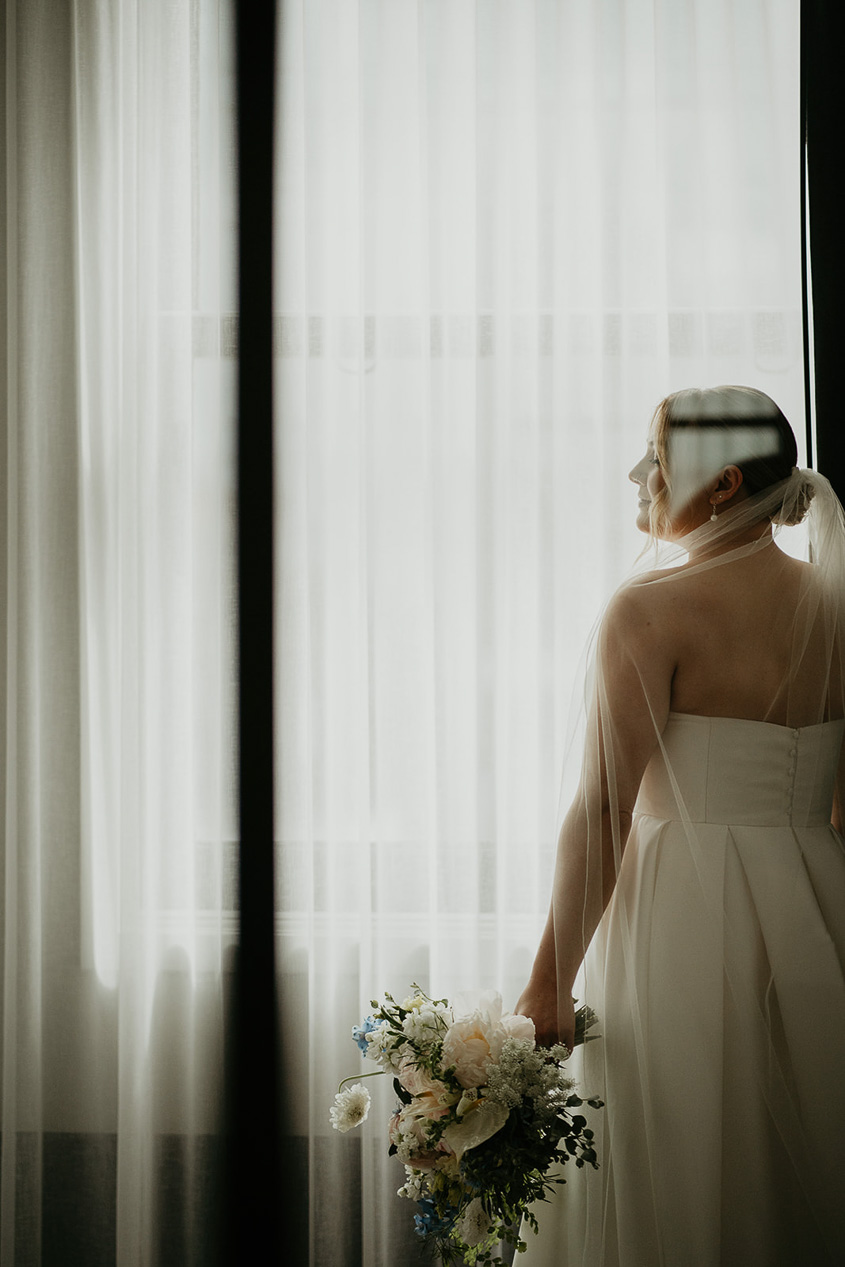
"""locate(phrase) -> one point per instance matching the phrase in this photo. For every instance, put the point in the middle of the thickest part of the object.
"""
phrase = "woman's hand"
(552, 1024)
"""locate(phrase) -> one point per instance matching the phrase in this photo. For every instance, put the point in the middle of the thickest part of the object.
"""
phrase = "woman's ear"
(727, 485)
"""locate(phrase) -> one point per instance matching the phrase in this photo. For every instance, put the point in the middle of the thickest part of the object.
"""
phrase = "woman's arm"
(635, 665)
(839, 794)
(547, 998)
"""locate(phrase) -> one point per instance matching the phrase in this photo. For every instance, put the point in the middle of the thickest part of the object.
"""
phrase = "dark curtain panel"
(253, 1096)
(822, 45)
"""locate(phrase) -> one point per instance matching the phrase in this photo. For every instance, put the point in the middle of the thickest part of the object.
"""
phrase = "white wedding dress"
(718, 973)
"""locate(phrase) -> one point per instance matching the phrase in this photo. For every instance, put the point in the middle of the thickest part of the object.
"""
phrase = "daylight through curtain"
(505, 231)
(117, 572)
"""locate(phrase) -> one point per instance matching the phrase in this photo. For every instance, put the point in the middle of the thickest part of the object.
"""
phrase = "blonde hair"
(726, 407)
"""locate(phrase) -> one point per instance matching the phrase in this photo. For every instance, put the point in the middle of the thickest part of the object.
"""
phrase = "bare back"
(732, 635)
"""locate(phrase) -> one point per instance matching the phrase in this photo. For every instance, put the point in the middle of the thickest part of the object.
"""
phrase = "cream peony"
(473, 1041)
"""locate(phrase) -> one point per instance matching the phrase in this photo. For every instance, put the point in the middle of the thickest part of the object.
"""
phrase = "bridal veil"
(718, 967)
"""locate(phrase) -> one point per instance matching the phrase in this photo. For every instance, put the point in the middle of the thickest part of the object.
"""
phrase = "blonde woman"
(699, 894)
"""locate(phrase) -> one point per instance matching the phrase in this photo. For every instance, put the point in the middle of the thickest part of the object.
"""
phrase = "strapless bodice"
(730, 770)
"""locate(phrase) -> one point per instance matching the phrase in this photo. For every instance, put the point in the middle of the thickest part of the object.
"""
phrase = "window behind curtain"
(505, 231)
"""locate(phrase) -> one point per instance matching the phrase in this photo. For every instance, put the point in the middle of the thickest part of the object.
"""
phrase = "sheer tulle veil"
(800, 686)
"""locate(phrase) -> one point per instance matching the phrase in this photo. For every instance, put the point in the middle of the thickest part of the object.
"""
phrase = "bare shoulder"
(648, 594)
(660, 606)
(797, 567)
(639, 613)
(638, 654)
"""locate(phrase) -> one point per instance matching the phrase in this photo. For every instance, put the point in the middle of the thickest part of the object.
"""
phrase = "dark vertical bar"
(822, 49)
(253, 1087)
(805, 249)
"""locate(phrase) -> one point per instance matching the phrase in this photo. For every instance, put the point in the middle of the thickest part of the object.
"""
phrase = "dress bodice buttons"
(738, 771)
(792, 768)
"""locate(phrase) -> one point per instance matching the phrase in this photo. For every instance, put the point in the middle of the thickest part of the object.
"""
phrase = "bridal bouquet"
(483, 1114)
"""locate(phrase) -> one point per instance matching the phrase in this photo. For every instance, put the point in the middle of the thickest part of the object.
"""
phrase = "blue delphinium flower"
(360, 1032)
(429, 1222)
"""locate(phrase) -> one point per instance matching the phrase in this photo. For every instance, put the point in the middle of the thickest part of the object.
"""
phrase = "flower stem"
(356, 1077)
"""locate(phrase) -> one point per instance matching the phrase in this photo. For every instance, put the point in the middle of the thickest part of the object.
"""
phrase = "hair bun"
(798, 492)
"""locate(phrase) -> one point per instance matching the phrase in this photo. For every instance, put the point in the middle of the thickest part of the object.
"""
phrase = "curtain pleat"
(118, 678)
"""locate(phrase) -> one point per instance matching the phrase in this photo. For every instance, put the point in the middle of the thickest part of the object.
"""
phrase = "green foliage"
(519, 1165)
(470, 1202)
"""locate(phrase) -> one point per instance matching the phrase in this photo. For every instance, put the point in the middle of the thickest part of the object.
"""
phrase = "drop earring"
(714, 516)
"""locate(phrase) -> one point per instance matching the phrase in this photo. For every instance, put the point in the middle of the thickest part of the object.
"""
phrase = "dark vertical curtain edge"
(805, 252)
(823, 117)
(253, 1092)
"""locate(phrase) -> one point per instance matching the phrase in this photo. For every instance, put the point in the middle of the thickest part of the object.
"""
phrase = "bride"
(699, 893)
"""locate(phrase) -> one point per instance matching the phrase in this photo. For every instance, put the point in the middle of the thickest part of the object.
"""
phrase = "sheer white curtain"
(505, 231)
(117, 578)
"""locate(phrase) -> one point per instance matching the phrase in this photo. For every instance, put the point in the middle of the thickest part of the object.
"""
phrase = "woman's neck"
(706, 545)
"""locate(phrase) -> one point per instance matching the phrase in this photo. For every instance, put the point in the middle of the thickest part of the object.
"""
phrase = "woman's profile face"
(677, 521)
(648, 477)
